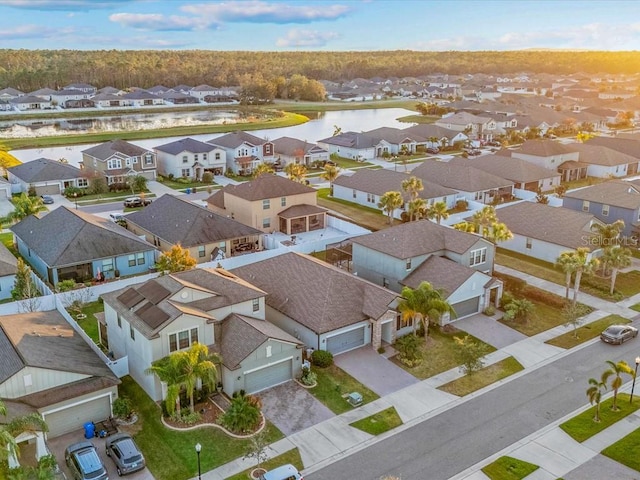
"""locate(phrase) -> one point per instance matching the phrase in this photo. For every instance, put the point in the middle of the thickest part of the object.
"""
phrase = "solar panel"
(130, 298)
(152, 315)
(154, 292)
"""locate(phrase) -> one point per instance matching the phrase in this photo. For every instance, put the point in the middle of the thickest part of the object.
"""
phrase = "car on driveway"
(134, 202)
(432, 150)
(125, 453)
(83, 461)
(618, 334)
(46, 199)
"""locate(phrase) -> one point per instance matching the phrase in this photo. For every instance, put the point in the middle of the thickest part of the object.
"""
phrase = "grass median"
(333, 386)
(509, 468)
(380, 422)
(586, 332)
(485, 376)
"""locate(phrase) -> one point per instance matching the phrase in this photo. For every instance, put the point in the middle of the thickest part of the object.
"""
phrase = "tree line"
(28, 70)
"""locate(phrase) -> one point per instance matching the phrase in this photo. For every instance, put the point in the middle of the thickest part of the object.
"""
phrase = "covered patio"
(302, 218)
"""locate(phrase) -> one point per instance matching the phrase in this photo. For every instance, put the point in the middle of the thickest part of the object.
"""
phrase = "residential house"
(47, 368)
(609, 201)
(271, 203)
(108, 100)
(189, 158)
(177, 98)
(141, 98)
(524, 175)
(402, 256)
(71, 244)
(394, 141)
(436, 136)
(110, 90)
(44, 93)
(202, 91)
(157, 89)
(244, 151)
(147, 322)
(553, 156)
(46, 176)
(366, 186)
(30, 102)
(326, 308)
(474, 126)
(171, 220)
(8, 93)
(8, 270)
(292, 150)
(472, 183)
(544, 232)
(118, 159)
(82, 87)
(71, 98)
(354, 145)
(605, 162)
(628, 146)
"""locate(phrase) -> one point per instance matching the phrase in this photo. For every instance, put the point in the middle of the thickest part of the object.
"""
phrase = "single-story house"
(605, 162)
(354, 145)
(46, 176)
(292, 150)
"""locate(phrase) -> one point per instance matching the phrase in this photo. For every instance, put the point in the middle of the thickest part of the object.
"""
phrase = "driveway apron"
(489, 330)
(374, 371)
(292, 408)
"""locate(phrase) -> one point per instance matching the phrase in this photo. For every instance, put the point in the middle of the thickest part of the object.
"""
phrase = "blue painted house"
(71, 244)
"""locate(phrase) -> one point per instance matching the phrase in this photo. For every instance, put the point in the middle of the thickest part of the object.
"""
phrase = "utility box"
(354, 399)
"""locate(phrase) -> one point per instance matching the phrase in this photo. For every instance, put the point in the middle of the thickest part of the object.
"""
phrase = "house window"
(134, 160)
(528, 244)
(585, 205)
(605, 210)
(266, 222)
(185, 159)
(353, 193)
(148, 159)
(114, 163)
(204, 157)
(371, 198)
(107, 264)
(268, 352)
(266, 204)
(132, 333)
(132, 260)
(186, 172)
(267, 149)
(256, 304)
(400, 324)
(408, 264)
(195, 157)
(183, 340)
(283, 201)
(119, 321)
(127, 162)
(476, 257)
(217, 155)
(201, 251)
(82, 182)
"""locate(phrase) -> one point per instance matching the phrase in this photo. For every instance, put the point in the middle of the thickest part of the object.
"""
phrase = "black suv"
(133, 202)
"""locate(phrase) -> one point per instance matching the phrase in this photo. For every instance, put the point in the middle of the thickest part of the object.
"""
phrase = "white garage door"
(74, 417)
(466, 307)
(268, 377)
(48, 190)
(346, 341)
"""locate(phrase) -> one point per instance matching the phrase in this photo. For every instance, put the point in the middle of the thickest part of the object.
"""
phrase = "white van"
(285, 472)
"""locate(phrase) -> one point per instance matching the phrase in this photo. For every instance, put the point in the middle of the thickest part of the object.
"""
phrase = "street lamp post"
(198, 450)
(633, 385)
(75, 197)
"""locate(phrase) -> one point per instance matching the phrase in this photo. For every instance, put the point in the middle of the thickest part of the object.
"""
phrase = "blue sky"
(274, 25)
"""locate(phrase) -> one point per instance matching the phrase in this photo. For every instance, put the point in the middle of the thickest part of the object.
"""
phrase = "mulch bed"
(209, 413)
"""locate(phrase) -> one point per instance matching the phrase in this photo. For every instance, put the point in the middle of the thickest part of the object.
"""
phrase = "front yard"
(334, 384)
(482, 378)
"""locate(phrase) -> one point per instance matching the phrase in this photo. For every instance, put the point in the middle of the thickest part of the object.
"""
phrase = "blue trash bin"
(188, 191)
(89, 430)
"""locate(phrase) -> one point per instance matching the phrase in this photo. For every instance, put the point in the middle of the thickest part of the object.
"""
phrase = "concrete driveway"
(374, 371)
(292, 408)
(489, 330)
(58, 445)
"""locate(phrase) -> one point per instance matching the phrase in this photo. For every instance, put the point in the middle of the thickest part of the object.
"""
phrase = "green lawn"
(509, 468)
(626, 450)
(486, 376)
(90, 324)
(582, 427)
(344, 162)
(635, 307)
(586, 332)
(544, 317)
(7, 240)
(366, 217)
(170, 454)
(438, 354)
(333, 383)
(379, 422)
(177, 185)
(292, 457)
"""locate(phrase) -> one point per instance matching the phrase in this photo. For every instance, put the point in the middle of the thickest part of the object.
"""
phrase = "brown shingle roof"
(543, 148)
(599, 155)
(514, 169)
(459, 177)
(615, 193)
(300, 210)
(265, 186)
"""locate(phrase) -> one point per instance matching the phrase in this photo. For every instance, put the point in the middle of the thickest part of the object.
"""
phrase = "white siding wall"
(40, 379)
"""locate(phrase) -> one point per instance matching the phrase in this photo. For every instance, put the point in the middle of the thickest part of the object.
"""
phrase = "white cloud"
(63, 5)
(157, 21)
(306, 38)
(30, 31)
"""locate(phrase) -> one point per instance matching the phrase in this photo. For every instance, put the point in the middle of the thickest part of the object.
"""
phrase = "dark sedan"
(618, 334)
(46, 199)
(134, 202)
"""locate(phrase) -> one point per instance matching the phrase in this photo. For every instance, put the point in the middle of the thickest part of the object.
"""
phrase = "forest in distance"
(29, 70)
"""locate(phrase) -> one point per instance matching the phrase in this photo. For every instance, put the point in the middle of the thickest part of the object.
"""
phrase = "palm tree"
(616, 370)
(594, 394)
(438, 211)
(568, 264)
(336, 130)
(584, 265)
(616, 257)
(416, 208)
(422, 304)
(465, 227)
(330, 174)
(9, 431)
(262, 169)
(499, 232)
(168, 371)
(484, 219)
(389, 202)
(198, 365)
(25, 206)
(296, 172)
(413, 186)
(608, 234)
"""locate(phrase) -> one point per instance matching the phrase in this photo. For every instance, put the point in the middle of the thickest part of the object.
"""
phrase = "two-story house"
(292, 150)
(459, 263)
(244, 151)
(474, 126)
(271, 203)
(118, 159)
(189, 158)
(553, 156)
(149, 321)
(208, 236)
(46, 176)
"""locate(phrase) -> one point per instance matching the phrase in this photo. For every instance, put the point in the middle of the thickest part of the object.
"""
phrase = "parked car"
(125, 453)
(473, 152)
(494, 143)
(133, 202)
(618, 334)
(46, 199)
(83, 461)
(116, 217)
(432, 150)
(285, 472)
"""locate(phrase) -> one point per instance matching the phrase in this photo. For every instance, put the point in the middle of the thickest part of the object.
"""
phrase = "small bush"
(242, 415)
(322, 358)
(308, 377)
(408, 350)
(187, 418)
(207, 177)
(490, 310)
(69, 192)
(381, 350)
(122, 407)
(542, 296)
(65, 285)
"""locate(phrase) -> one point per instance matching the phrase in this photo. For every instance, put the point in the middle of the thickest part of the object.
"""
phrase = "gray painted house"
(47, 176)
(147, 322)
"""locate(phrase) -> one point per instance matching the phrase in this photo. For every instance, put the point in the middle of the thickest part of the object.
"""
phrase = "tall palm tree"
(594, 394)
(568, 264)
(296, 172)
(413, 186)
(616, 257)
(438, 211)
(261, 169)
(416, 208)
(330, 174)
(9, 431)
(25, 206)
(389, 202)
(484, 219)
(616, 370)
(168, 371)
(198, 365)
(499, 232)
(608, 235)
(584, 265)
(424, 303)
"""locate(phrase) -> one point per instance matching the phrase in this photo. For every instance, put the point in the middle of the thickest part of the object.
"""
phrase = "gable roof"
(617, 193)
(235, 139)
(65, 236)
(414, 239)
(599, 155)
(380, 181)
(293, 146)
(351, 140)
(441, 273)
(624, 145)
(44, 169)
(186, 145)
(263, 187)
(8, 263)
(459, 177)
(543, 148)
(511, 168)
(557, 225)
(319, 296)
(106, 150)
(180, 221)
(428, 130)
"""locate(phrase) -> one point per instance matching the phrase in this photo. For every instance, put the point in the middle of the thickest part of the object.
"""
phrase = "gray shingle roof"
(599, 155)
(543, 148)
(263, 187)
(414, 239)
(293, 146)
(300, 210)
(43, 170)
(180, 221)
(623, 145)
(441, 273)
(317, 295)
(428, 130)
(351, 140)
(459, 177)
(106, 150)
(66, 237)
(615, 193)
(514, 169)
(8, 263)
(186, 145)
(235, 139)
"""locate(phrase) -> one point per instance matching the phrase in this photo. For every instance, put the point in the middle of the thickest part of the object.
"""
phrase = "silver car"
(618, 334)
(84, 462)
(125, 453)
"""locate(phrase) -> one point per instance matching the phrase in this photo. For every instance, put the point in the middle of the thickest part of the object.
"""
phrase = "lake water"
(312, 131)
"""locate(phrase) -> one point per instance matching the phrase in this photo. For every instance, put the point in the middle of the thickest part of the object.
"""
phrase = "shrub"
(65, 285)
(242, 415)
(308, 377)
(490, 310)
(207, 177)
(188, 418)
(543, 296)
(322, 358)
(514, 284)
(69, 192)
(122, 407)
(408, 349)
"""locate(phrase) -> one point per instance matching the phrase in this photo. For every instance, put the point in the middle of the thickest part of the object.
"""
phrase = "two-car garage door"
(75, 416)
(346, 341)
(269, 376)
(466, 307)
